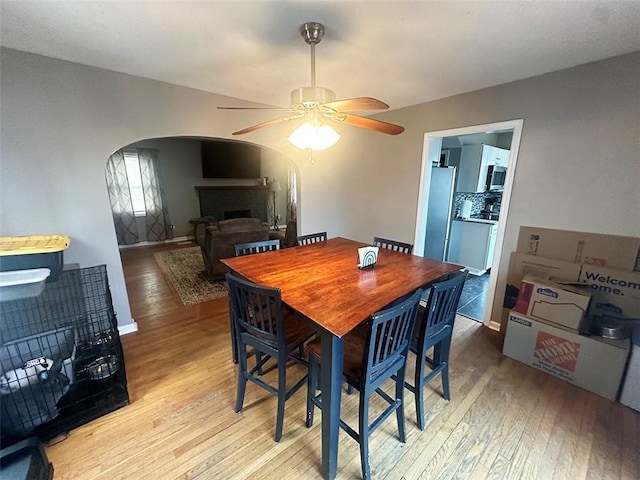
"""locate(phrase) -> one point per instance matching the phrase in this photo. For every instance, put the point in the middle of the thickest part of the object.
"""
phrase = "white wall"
(578, 167)
(61, 121)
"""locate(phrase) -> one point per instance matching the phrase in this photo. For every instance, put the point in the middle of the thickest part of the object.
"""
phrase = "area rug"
(184, 270)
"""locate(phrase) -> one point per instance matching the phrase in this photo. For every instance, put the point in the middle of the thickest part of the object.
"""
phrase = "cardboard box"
(610, 251)
(543, 268)
(551, 302)
(588, 362)
(615, 292)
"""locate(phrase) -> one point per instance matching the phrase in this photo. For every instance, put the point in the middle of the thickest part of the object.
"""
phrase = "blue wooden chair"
(256, 247)
(375, 352)
(312, 238)
(242, 249)
(393, 245)
(434, 329)
(261, 322)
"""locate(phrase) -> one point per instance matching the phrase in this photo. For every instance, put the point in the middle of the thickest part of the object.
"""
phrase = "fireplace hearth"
(229, 214)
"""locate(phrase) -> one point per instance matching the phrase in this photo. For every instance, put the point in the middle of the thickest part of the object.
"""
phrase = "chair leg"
(364, 435)
(444, 361)
(242, 378)
(419, 389)
(282, 395)
(258, 362)
(234, 340)
(445, 382)
(312, 383)
(400, 409)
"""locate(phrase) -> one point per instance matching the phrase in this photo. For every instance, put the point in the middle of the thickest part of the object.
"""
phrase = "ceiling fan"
(318, 107)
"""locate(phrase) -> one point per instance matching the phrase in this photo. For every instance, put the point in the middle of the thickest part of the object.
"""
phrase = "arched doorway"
(183, 174)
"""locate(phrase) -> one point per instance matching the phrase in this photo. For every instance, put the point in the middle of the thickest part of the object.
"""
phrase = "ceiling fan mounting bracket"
(312, 96)
(312, 32)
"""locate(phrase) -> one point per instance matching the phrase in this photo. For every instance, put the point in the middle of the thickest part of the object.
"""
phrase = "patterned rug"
(184, 270)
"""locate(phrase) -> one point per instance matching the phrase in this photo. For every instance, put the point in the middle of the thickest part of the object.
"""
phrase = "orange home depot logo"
(557, 351)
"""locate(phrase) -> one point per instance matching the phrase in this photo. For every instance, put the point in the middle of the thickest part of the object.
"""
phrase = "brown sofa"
(220, 238)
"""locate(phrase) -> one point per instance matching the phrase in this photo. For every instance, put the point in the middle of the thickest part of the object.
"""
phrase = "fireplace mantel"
(216, 200)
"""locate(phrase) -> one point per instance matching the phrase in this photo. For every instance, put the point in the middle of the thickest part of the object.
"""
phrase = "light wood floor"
(505, 420)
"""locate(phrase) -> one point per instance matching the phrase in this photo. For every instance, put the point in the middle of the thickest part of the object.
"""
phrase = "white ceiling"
(401, 52)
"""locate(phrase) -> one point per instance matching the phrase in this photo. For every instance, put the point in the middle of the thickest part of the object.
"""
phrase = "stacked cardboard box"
(592, 363)
(558, 283)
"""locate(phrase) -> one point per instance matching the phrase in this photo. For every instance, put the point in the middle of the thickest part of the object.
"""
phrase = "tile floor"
(473, 297)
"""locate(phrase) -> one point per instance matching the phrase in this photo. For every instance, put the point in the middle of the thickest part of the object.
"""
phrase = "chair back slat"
(389, 337)
(256, 310)
(256, 247)
(312, 238)
(442, 303)
(394, 245)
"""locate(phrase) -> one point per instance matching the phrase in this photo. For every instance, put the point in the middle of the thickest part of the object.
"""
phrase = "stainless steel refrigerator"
(439, 211)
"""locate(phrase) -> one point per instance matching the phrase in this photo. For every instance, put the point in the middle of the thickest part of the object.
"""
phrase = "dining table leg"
(331, 387)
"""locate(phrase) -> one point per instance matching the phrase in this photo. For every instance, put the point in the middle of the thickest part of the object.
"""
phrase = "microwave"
(496, 176)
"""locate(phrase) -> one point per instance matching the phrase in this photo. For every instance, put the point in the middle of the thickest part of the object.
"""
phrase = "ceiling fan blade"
(371, 124)
(253, 108)
(260, 125)
(359, 103)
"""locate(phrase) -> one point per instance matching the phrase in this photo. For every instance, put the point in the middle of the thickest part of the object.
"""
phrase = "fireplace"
(61, 361)
(223, 203)
(229, 214)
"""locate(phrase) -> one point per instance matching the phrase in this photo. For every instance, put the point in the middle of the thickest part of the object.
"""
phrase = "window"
(132, 164)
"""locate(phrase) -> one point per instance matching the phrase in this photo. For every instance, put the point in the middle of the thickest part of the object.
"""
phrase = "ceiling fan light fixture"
(314, 137)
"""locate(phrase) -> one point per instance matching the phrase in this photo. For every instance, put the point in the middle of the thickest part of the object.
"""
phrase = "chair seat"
(354, 345)
(296, 331)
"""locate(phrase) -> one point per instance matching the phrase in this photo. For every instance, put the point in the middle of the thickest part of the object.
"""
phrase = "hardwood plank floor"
(505, 420)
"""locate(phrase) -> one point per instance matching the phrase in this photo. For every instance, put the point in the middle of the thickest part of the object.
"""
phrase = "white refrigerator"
(439, 212)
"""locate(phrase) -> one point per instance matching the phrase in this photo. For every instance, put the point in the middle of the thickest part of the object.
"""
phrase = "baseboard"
(147, 244)
(128, 328)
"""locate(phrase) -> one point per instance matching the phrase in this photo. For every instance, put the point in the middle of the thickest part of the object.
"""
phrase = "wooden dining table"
(323, 284)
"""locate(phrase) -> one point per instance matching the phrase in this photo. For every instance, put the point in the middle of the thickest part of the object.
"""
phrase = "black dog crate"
(25, 460)
(61, 361)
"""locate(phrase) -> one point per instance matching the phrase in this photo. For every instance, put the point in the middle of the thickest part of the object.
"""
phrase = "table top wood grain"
(323, 283)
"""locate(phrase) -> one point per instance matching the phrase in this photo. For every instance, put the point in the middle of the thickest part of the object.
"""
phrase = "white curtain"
(292, 195)
(158, 225)
(157, 217)
(120, 196)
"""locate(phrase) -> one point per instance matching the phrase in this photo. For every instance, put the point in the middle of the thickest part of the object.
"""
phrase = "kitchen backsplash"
(478, 201)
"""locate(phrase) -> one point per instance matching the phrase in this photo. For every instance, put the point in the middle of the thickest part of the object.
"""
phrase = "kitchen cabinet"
(474, 165)
(472, 244)
(497, 156)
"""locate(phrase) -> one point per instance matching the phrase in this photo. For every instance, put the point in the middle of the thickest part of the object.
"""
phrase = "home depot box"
(615, 292)
(610, 251)
(551, 302)
(589, 362)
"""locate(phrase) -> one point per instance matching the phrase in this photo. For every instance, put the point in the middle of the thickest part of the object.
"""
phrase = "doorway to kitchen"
(465, 188)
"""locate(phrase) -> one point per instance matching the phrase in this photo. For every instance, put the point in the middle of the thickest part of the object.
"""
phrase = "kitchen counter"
(472, 243)
(477, 220)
